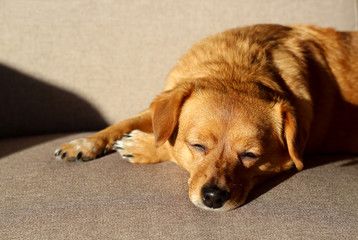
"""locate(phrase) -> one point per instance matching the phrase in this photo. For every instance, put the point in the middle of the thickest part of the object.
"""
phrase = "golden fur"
(241, 106)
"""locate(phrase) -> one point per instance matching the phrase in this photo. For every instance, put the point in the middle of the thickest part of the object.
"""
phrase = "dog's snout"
(214, 197)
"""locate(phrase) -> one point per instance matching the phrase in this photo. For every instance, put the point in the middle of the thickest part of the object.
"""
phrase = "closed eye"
(248, 156)
(198, 147)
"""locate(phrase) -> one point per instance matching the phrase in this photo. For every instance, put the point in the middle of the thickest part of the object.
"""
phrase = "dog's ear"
(292, 68)
(293, 135)
(165, 112)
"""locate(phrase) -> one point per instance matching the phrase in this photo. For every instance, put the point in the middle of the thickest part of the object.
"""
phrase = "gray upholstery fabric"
(110, 198)
(79, 65)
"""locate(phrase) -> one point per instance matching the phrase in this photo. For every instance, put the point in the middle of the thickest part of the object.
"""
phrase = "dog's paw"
(82, 149)
(137, 147)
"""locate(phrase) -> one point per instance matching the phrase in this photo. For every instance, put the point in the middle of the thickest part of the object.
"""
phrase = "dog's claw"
(79, 156)
(127, 157)
(127, 136)
(58, 152)
(105, 150)
(118, 146)
(63, 155)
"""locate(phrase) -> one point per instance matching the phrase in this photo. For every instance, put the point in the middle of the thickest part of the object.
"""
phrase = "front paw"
(137, 147)
(82, 149)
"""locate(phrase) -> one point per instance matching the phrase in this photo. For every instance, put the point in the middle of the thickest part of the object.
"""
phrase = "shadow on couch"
(29, 106)
(310, 161)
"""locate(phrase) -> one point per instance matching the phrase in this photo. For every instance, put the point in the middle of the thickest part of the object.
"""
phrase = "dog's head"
(228, 139)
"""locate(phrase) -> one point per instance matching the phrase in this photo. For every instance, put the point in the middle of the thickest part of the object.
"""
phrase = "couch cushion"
(110, 198)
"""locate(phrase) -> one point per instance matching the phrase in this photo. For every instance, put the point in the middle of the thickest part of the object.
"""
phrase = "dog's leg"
(139, 147)
(102, 142)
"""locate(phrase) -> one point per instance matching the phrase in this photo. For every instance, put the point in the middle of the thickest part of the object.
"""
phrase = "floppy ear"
(165, 112)
(294, 135)
(292, 68)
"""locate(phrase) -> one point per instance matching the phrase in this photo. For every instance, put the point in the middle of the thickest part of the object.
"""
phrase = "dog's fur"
(241, 106)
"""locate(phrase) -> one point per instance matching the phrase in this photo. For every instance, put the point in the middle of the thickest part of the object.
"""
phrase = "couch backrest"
(80, 65)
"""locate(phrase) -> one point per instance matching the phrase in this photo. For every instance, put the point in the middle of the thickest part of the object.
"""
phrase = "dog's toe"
(120, 147)
(127, 136)
(128, 157)
(82, 149)
(136, 147)
(57, 152)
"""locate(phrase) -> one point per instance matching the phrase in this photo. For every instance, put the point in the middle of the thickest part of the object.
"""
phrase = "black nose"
(214, 197)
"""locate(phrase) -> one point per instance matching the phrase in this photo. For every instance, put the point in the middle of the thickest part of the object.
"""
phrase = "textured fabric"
(113, 56)
(110, 198)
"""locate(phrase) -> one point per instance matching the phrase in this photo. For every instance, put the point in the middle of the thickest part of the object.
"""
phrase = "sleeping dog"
(242, 106)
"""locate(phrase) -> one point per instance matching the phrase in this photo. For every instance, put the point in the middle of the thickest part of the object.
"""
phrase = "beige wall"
(116, 54)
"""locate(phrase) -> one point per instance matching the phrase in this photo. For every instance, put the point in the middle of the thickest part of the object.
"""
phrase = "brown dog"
(241, 106)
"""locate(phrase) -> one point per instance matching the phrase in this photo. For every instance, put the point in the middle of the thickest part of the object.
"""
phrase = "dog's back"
(317, 66)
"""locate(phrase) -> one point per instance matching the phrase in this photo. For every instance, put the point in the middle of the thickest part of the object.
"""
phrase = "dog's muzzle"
(214, 197)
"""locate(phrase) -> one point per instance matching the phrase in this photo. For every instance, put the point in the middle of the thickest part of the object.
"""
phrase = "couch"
(69, 68)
